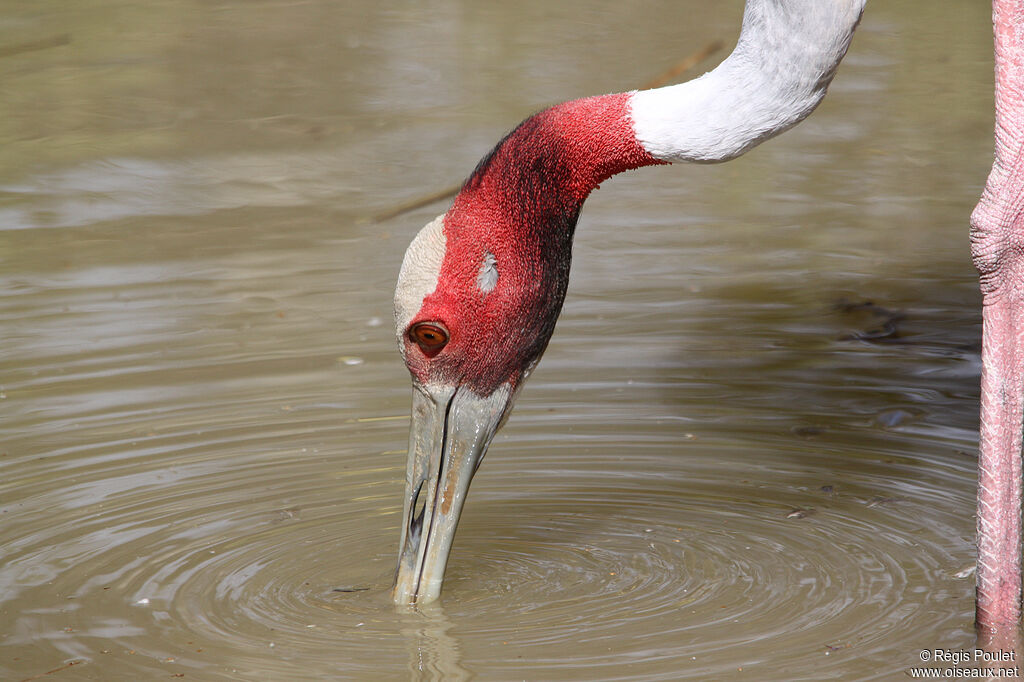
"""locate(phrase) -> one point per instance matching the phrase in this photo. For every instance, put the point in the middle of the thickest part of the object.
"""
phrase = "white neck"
(779, 71)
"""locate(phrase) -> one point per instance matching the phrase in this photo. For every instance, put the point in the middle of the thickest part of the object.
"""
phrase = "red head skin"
(519, 210)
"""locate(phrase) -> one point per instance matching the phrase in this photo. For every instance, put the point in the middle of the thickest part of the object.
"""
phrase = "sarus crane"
(481, 286)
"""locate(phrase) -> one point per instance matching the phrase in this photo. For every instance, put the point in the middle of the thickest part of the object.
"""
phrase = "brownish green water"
(727, 466)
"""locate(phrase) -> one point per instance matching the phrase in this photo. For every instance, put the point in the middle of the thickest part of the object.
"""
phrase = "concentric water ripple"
(239, 563)
(703, 571)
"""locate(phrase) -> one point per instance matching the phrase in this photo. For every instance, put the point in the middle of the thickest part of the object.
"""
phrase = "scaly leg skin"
(997, 246)
(999, 466)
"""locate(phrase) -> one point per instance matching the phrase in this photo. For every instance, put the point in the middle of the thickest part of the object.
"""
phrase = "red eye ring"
(431, 337)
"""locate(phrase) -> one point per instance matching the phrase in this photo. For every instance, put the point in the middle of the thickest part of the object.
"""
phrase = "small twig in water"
(684, 65)
(55, 670)
(416, 203)
(676, 70)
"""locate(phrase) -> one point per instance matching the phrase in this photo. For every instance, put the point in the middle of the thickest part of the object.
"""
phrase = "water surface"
(748, 452)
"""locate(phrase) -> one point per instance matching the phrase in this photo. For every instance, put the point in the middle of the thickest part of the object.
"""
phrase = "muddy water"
(729, 464)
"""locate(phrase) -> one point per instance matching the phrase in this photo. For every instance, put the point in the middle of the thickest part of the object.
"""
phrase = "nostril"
(416, 516)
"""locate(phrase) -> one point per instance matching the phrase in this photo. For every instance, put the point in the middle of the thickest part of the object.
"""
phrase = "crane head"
(474, 312)
(477, 299)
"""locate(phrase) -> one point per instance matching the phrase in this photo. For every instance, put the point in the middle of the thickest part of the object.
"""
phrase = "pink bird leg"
(997, 246)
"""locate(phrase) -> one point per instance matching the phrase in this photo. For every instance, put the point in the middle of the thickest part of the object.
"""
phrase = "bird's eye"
(431, 337)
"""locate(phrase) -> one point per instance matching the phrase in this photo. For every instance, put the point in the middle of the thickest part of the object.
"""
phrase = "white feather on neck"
(779, 71)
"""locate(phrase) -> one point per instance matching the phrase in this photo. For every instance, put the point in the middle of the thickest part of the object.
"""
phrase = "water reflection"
(999, 651)
(434, 652)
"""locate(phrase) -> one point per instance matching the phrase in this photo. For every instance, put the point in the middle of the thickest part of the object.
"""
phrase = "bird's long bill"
(451, 429)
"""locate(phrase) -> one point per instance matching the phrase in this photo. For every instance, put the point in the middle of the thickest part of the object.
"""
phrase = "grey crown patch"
(487, 279)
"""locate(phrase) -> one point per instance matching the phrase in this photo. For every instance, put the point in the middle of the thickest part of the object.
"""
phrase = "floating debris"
(285, 514)
(895, 417)
(55, 670)
(670, 74)
(966, 572)
(881, 501)
(887, 332)
(808, 431)
(683, 65)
